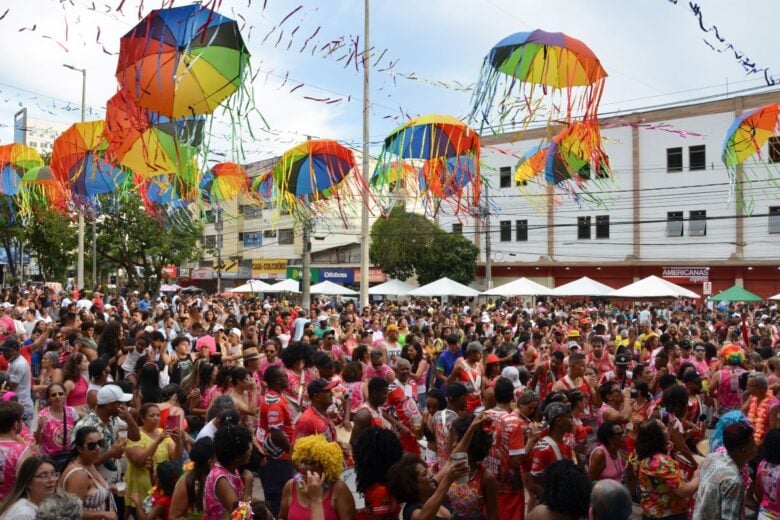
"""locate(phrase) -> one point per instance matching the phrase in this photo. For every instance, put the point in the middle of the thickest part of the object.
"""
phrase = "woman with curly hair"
(314, 458)
(187, 499)
(375, 451)
(566, 492)
(477, 498)
(297, 357)
(76, 385)
(225, 487)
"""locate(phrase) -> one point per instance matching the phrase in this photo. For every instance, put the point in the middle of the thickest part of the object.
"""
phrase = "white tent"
(392, 288)
(652, 287)
(775, 297)
(330, 288)
(444, 287)
(169, 287)
(582, 287)
(287, 285)
(520, 287)
(252, 286)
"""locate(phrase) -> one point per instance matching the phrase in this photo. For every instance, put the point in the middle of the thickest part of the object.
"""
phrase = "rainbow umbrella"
(164, 190)
(150, 144)
(223, 182)
(430, 137)
(313, 170)
(533, 162)
(78, 160)
(448, 176)
(263, 186)
(538, 59)
(182, 61)
(39, 184)
(15, 160)
(391, 172)
(748, 133)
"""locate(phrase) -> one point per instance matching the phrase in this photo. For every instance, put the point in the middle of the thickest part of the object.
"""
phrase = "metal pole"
(218, 228)
(306, 270)
(488, 256)
(80, 259)
(364, 236)
(94, 253)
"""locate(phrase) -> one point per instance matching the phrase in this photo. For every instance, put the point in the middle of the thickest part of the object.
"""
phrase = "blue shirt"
(445, 364)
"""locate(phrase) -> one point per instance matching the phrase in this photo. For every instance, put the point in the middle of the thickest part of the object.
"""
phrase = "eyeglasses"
(92, 445)
(56, 394)
(48, 476)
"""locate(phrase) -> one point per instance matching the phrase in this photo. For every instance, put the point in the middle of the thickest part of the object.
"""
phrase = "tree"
(404, 244)
(11, 232)
(130, 238)
(53, 238)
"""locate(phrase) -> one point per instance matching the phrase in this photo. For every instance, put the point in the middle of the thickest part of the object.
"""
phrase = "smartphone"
(173, 422)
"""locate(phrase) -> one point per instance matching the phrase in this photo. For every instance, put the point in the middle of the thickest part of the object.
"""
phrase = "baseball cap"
(555, 410)
(574, 334)
(492, 358)
(235, 331)
(573, 344)
(320, 385)
(217, 328)
(623, 359)
(322, 317)
(112, 394)
(456, 390)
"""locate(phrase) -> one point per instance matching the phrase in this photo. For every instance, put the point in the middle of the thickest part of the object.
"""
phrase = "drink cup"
(121, 435)
(417, 424)
(120, 488)
(457, 458)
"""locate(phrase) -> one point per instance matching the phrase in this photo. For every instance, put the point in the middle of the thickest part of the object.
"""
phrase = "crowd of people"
(119, 405)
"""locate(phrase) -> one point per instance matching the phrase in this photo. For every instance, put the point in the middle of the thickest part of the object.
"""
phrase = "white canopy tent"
(583, 287)
(520, 287)
(392, 288)
(775, 297)
(330, 289)
(285, 286)
(252, 287)
(169, 287)
(652, 287)
(444, 287)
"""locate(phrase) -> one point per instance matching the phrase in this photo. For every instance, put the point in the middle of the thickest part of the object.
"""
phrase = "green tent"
(736, 294)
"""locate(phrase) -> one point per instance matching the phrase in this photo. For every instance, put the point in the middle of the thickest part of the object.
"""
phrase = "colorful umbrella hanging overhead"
(429, 137)
(748, 133)
(40, 185)
(15, 160)
(223, 182)
(164, 191)
(393, 172)
(182, 61)
(448, 177)
(150, 144)
(79, 161)
(524, 63)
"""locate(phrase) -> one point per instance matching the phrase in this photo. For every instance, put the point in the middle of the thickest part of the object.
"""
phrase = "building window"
(774, 219)
(674, 224)
(602, 226)
(208, 216)
(506, 230)
(253, 239)
(249, 211)
(286, 237)
(583, 228)
(209, 241)
(674, 161)
(505, 176)
(697, 158)
(521, 230)
(774, 149)
(269, 233)
(457, 228)
(697, 225)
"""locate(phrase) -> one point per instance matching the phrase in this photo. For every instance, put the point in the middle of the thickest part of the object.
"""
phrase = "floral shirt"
(658, 476)
(721, 489)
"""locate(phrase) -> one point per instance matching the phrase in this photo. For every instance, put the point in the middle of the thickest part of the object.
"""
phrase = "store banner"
(269, 268)
(337, 275)
(689, 275)
(170, 271)
(375, 275)
(294, 273)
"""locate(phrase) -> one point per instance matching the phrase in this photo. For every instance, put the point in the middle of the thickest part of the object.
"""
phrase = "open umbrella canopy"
(15, 160)
(430, 137)
(252, 286)
(285, 286)
(223, 182)
(736, 294)
(520, 287)
(313, 169)
(775, 297)
(330, 288)
(749, 132)
(41, 184)
(444, 287)
(182, 61)
(582, 287)
(448, 176)
(652, 287)
(392, 288)
(169, 287)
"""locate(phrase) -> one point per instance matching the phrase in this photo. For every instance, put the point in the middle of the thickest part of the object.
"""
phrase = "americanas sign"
(687, 275)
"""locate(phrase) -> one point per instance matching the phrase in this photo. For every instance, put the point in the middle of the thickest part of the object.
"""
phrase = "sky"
(653, 50)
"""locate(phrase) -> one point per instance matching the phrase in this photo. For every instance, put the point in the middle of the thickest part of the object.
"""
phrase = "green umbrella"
(736, 294)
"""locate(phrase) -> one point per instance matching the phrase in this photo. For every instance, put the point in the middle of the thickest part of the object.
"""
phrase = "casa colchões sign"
(686, 274)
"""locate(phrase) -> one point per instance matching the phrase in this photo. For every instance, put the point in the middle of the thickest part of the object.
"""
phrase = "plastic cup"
(461, 457)
(120, 488)
(122, 434)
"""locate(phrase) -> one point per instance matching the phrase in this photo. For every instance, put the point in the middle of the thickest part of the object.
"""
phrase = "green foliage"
(11, 232)
(53, 238)
(404, 244)
(128, 237)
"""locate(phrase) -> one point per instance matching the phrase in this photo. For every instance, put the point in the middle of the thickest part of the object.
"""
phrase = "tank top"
(729, 393)
(467, 500)
(298, 512)
(78, 396)
(97, 499)
(602, 365)
(616, 466)
(212, 507)
(55, 431)
(377, 419)
(768, 476)
(10, 452)
(355, 390)
(587, 413)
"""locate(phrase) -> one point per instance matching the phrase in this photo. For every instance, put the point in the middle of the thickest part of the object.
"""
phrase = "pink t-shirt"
(355, 390)
(768, 476)
(52, 431)
(10, 452)
(212, 507)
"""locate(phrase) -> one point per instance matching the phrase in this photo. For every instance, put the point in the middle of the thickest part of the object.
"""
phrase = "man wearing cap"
(620, 374)
(443, 419)
(552, 447)
(110, 416)
(692, 422)
(232, 355)
(314, 420)
(322, 325)
(402, 404)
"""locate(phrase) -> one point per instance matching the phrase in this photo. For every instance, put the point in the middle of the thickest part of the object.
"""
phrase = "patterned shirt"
(658, 476)
(508, 442)
(721, 489)
(108, 432)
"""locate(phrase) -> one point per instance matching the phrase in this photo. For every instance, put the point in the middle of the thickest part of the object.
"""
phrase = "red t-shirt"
(508, 442)
(275, 414)
(404, 408)
(311, 422)
(544, 455)
(379, 502)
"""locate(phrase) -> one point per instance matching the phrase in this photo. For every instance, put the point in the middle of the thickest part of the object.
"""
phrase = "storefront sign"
(686, 274)
(265, 268)
(375, 275)
(203, 273)
(169, 271)
(336, 275)
(294, 273)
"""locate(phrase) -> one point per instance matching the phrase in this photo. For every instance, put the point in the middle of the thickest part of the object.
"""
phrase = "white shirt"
(22, 509)
(208, 430)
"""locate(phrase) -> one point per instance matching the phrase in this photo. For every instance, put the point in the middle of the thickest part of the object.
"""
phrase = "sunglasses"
(56, 394)
(92, 445)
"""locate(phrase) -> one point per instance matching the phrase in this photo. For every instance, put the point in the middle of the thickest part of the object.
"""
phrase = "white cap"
(236, 331)
(111, 394)
(149, 329)
(513, 375)
(322, 317)
(218, 327)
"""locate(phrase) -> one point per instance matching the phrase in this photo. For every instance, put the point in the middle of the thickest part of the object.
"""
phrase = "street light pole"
(80, 260)
(364, 238)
